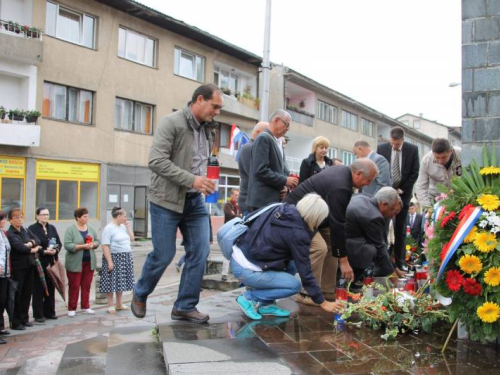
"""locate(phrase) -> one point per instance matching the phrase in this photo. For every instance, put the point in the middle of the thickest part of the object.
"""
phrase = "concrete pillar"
(480, 77)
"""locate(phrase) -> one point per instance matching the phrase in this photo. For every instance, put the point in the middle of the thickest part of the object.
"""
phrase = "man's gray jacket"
(244, 160)
(384, 177)
(171, 156)
(365, 232)
(267, 172)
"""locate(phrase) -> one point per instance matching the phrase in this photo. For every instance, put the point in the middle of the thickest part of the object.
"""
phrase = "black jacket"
(20, 254)
(409, 167)
(277, 237)
(267, 172)
(366, 236)
(309, 167)
(417, 229)
(37, 229)
(334, 185)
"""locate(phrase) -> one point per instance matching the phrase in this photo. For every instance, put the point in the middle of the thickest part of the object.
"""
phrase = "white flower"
(483, 223)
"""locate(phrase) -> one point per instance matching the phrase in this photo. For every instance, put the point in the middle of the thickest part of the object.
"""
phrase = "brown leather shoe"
(305, 300)
(191, 316)
(138, 308)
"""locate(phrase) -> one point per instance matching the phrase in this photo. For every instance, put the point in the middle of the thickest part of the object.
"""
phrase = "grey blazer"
(384, 177)
(267, 172)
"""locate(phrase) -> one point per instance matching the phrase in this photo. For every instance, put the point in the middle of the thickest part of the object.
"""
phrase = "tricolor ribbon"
(463, 229)
(438, 212)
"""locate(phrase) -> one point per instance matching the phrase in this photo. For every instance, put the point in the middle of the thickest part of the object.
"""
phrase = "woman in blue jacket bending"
(272, 250)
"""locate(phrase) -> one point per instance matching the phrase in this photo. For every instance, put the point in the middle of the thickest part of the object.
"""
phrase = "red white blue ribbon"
(438, 212)
(463, 229)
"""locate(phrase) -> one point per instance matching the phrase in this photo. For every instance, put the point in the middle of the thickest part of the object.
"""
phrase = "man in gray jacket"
(362, 149)
(178, 160)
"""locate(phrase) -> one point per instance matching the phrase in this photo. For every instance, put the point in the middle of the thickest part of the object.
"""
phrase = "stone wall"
(480, 76)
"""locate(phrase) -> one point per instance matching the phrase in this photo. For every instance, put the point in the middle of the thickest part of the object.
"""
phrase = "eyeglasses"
(17, 217)
(43, 215)
(287, 124)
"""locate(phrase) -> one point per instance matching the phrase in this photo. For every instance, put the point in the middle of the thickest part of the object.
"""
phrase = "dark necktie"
(396, 170)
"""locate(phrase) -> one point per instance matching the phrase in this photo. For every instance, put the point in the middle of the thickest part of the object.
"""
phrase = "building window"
(133, 116)
(347, 157)
(189, 65)
(416, 124)
(63, 186)
(228, 82)
(327, 112)
(67, 103)
(349, 120)
(405, 122)
(12, 184)
(226, 184)
(367, 127)
(332, 152)
(136, 47)
(68, 25)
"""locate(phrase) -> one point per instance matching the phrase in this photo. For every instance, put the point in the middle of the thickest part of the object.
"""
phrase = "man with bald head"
(268, 181)
(328, 247)
(244, 166)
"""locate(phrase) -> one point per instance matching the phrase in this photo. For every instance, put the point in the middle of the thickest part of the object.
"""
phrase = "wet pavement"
(309, 343)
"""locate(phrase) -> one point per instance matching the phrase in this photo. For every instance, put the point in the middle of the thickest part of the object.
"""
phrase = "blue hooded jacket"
(277, 237)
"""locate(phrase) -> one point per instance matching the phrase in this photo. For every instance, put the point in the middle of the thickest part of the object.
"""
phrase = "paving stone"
(230, 368)
(79, 366)
(189, 331)
(94, 347)
(46, 364)
(215, 282)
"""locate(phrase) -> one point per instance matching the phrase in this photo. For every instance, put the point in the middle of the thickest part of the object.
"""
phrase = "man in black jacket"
(335, 185)
(404, 163)
(268, 182)
(414, 221)
(365, 232)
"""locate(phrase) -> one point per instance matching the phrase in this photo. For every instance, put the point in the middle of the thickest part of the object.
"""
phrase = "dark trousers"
(399, 237)
(23, 296)
(43, 306)
(3, 300)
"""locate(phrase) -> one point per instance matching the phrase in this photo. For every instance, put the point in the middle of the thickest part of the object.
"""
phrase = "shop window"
(68, 199)
(46, 195)
(12, 193)
(88, 197)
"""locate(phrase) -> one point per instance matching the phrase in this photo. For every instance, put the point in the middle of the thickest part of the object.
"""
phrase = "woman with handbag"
(44, 307)
(80, 241)
(4, 272)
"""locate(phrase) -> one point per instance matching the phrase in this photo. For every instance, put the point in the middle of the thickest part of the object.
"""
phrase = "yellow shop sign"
(12, 167)
(66, 170)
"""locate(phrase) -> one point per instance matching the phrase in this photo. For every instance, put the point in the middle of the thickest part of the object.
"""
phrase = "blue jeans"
(267, 286)
(193, 224)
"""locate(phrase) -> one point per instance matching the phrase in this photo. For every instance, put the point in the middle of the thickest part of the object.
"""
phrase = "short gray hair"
(364, 165)
(279, 113)
(313, 209)
(388, 195)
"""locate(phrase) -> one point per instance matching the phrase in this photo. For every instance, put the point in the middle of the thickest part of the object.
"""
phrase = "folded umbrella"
(41, 275)
(57, 274)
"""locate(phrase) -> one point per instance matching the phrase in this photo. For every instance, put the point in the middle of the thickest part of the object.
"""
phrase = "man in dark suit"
(328, 247)
(244, 159)
(362, 149)
(268, 182)
(414, 221)
(403, 160)
(365, 232)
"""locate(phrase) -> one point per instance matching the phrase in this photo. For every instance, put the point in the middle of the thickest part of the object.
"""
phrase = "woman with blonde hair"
(267, 256)
(317, 160)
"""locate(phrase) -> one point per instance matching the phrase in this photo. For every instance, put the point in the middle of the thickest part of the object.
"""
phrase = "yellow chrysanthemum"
(470, 264)
(492, 276)
(408, 247)
(489, 202)
(488, 312)
(471, 236)
(489, 170)
(485, 241)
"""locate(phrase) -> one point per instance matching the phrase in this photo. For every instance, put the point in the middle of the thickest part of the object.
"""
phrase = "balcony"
(21, 43)
(301, 116)
(19, 134)
(243, 107)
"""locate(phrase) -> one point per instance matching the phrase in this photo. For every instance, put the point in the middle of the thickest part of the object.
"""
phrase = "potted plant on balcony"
(16, 114)
(13, 26)
(2, 112)
(226, 90)
(32, 32)
(32, 116)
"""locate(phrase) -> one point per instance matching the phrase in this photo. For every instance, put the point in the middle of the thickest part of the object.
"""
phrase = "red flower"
(465, 210)
(444, 251)
(448, 218)
(454, 280)
(472, 287)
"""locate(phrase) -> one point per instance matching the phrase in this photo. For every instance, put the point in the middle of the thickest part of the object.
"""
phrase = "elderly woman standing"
(4, 272)
(80, 241)
(44, 307)
(117, 263)
(265, 257)
(317, 160)
(24, 245)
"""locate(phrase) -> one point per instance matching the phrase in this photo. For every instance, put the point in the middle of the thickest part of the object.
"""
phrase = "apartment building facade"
(102, 75)
(433, 128)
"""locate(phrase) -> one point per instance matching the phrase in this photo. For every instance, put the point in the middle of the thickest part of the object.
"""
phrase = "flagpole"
(266, 66)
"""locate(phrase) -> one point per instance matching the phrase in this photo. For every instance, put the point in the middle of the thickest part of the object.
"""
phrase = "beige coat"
(433, 174)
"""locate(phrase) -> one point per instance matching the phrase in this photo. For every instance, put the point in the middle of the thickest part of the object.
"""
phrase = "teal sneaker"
(248, 308)
(273, 310)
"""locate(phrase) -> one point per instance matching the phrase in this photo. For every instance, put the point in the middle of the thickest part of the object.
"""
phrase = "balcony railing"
(16, 29)
(303, 118)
